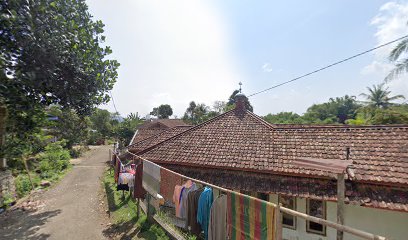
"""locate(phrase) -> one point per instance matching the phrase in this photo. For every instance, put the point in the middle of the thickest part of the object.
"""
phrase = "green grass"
(123, 212)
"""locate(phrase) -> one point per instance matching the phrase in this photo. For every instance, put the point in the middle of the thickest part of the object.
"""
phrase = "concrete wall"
(391, 224)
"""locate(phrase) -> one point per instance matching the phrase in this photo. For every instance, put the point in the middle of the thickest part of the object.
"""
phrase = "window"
(316, 208)
(288, 220)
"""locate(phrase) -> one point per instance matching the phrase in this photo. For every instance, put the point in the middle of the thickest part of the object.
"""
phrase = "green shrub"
(7, 199)
(23, 185)
(54, 159)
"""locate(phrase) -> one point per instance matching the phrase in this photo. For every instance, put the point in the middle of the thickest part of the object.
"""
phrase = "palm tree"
(401, 65)
(379, 96)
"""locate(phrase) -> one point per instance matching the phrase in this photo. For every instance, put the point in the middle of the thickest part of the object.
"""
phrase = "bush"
(54, 159)
(23, 185)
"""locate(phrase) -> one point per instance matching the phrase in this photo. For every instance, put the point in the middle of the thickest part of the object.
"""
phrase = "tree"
(379, 96)
(163, 111)
(399, 56)
(393, 115)
(337, 110)
(68, 125)
(198, 113)
(50, 53)
(126, 129)
(284, 118)
(101, 122)
(231, 101)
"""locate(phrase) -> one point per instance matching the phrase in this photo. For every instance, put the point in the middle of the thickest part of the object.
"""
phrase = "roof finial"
(240, 84)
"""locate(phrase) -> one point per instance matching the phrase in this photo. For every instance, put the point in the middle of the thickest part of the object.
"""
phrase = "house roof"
(156, 126)
(146, 143)
(240, 140)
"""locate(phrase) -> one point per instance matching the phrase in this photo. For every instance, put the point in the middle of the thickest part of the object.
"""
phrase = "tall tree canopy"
(50, 52)
(198, 113)
(162, 111)
(336, 110)
(399, 56)
(378, 96)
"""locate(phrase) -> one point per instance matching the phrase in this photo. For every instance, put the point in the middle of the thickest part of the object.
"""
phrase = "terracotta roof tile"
(241, 140)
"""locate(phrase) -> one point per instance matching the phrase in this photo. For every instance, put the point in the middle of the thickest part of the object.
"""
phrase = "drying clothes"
(184, 198)
(176, 198)
(168, 182)
(139, 191)
(192, 203)
(249, 218)
(123, 187)
(204, 207)
(117, 169)
(151, 177)
(126, 178)
(217, 228)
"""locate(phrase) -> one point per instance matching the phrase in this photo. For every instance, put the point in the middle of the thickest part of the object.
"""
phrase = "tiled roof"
(157, 138)
(241, 140)
(154, 127)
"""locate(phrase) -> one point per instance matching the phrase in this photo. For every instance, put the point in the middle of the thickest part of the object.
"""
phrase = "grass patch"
(123, 212)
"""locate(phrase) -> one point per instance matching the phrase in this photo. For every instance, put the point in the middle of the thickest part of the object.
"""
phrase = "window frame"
(324, 231)
(294, 208)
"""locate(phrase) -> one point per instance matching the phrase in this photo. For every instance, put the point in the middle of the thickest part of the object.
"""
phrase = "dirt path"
(71, 209)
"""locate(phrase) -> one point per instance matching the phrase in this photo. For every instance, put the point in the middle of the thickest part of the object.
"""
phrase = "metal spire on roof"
(240, 84)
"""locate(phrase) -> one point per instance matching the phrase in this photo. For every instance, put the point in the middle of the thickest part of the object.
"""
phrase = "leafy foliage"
(398, 56)
(162, 111)
(284, 118)
(337, 110)
(51, 53)
(198, 113)
(379, 96)
(54, 159)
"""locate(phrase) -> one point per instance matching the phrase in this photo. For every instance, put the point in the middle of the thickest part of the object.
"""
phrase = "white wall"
(391, 224)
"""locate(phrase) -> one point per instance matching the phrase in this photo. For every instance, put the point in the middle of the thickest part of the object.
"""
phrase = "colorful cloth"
(217, 228)
(184, 199)
(204, 207)
(249, 218)
(151, 177)
(192, 203)
(176, 199)
(139, 191)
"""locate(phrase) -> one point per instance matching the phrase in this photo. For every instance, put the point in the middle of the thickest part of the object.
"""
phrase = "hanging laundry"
(217, 227)
(192, 205)
(117, 170)
(184, 199)
(204, 207)
(249, 218)
(168, 182)
(151, 177)
(176, 199)
(139, 191)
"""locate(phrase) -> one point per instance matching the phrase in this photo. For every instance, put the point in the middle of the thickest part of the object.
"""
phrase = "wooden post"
(278, 219)
(340, 203)
(148, 208)
(138, 208)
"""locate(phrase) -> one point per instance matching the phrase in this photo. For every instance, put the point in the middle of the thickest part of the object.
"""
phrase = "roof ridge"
(267, 124)
(155, 135)
(188, 130)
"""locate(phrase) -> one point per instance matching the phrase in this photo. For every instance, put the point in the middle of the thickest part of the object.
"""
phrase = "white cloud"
(267, 67)
(391, 23)
(170, 52)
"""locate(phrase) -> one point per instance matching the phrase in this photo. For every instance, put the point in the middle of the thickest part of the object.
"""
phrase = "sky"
(174, 52)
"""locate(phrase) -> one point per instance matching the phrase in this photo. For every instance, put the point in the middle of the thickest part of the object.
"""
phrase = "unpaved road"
(71, 209)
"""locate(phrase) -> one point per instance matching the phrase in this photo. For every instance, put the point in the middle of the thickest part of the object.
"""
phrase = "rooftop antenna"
(240, 84)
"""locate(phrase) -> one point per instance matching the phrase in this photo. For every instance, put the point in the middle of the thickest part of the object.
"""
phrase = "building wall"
(386, 223)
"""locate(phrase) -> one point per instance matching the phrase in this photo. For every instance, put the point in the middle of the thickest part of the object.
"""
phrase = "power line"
(113, 101)
(330, 65)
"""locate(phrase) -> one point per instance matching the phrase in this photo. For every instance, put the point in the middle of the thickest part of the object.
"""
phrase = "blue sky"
(178, 51)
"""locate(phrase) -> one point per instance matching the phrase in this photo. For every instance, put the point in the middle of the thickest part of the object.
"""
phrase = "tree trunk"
(3, 116)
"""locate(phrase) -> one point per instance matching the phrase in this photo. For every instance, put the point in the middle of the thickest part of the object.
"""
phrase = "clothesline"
(334, 225)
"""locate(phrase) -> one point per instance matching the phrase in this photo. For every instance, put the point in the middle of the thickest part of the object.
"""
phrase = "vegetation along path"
(70, 210)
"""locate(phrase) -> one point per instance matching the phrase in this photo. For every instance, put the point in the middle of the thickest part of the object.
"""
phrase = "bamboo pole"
(340, 203)
(278, 219)
(353, 231)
